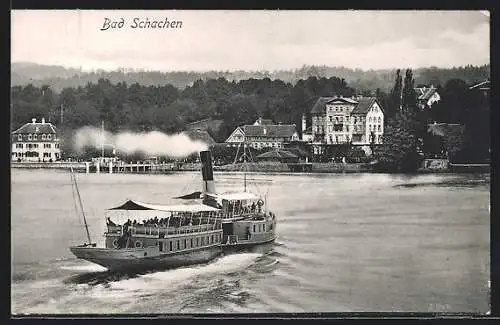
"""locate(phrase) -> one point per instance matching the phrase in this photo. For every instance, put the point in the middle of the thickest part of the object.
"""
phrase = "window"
(20, 137)
(44, 136)
(49, 136)
(47, 145)
(35, 136)
(330, 118)
(185, 244)
(170, 242)
(347, 127)
(57, 145)
(178, 245)
(259, 228)
(379, 120)
(254, 228)
(336, 139)
(29, 137)
(191, 242)
(202, 241)
(19, 145)
(379, 128)
(197, 241)
(212, 241)
(264, 227)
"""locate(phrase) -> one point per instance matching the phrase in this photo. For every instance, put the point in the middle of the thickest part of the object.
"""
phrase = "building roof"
(319, 106)
(205, 124)
(364, 105)
(277, 154)
(278, 131)
(298, 151)
(264, 121)
(137, 205)
(485, 85)
(443, 129)
(343, 99)
(36, 127)
(424, 93)
(201, 135)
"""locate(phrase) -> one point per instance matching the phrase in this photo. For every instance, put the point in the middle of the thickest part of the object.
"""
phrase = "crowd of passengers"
(161, 222)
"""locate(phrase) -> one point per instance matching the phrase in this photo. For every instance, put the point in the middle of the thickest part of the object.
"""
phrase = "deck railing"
(160, 231)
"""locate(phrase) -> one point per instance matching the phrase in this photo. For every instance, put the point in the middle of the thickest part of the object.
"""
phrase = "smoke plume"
(151, 143)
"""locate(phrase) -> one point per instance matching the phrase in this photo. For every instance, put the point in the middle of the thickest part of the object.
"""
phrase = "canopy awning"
(137, 205)
(234, 196)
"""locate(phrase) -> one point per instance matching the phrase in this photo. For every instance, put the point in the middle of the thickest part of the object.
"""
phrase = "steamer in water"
(141, 236)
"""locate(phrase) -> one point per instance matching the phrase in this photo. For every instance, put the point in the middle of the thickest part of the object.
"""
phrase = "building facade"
(36, 142)
(263, 134)
(356, 120)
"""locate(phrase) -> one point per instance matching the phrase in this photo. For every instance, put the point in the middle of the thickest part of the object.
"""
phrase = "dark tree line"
(364, 80)
(165, 108)
(141, 108)
(406, 139)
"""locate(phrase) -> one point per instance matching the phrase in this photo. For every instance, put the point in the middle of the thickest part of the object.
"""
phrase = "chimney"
(43, 120)
(207, 172)
(33, 120)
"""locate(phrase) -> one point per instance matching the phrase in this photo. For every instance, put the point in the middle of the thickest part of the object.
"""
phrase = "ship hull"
(246, 244)
(149, 258)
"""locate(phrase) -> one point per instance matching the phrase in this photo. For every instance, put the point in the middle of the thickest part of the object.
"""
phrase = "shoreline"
(260, 168)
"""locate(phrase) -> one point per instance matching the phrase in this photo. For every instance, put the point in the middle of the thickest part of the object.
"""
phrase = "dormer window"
(29, 136)
(35, 136)
(43, 136)
(19, 137)
(49, 136)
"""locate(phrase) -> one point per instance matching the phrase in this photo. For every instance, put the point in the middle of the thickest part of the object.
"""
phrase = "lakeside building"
(263, 133)
(343, 120)
(427, 96)
(36, 141)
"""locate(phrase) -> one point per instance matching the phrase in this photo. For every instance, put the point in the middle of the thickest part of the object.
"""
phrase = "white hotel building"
(337, 120)
(36, 141)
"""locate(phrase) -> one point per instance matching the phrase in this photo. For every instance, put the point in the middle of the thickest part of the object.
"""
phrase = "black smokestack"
(207, 172)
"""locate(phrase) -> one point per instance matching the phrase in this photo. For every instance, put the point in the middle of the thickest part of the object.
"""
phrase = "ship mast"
(81, 205)
(102, 140)
(244, 164)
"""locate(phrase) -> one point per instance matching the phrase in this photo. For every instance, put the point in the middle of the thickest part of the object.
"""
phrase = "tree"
(402, 139)
(394, 100)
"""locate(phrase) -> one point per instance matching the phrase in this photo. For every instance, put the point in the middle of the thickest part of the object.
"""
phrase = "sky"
(251, 40)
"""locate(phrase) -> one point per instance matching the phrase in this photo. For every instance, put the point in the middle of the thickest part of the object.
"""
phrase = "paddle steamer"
(142, 235)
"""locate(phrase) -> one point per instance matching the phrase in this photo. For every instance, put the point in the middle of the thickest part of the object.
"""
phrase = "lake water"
(346, 243)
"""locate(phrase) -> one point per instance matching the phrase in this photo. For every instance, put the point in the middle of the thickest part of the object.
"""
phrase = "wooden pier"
(96, 167)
